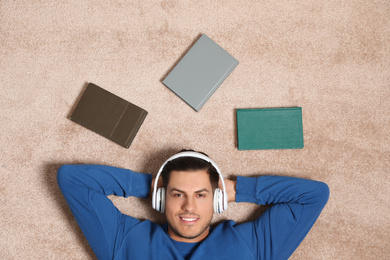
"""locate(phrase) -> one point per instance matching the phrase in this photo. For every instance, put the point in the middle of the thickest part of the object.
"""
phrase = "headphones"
(220, 197)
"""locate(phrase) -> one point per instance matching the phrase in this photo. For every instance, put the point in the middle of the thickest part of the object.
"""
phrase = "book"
(108, 115)
(200, 72)
(273, 128)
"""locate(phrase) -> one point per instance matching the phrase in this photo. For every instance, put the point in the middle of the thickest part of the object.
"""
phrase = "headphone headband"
(195, 155)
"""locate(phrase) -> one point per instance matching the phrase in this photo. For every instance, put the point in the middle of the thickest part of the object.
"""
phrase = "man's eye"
(201, 195)
(178, 195)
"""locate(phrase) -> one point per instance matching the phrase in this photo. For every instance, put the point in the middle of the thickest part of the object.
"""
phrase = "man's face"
(189, 205)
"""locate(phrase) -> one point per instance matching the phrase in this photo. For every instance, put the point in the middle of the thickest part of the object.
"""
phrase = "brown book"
(108, 115)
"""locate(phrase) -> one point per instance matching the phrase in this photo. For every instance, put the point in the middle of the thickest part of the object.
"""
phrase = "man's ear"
(160, 184)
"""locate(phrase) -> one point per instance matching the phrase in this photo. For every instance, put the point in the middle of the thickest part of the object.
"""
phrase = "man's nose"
(189, 204)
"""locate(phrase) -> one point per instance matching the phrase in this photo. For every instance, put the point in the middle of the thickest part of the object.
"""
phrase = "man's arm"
(85, 188)
(297, 203)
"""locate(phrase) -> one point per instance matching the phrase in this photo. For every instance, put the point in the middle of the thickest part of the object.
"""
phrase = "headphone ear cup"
(160, 200)
(218, 201)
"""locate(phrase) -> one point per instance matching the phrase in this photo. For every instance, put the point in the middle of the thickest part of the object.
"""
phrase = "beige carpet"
(332, 58)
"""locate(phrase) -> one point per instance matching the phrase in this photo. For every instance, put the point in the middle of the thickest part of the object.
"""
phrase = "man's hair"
(188, 163)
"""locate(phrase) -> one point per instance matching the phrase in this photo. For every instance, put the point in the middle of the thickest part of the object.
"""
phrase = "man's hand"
(230, 189)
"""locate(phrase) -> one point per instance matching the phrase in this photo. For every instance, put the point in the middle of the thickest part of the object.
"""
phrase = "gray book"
(108, 115)
(200, 72)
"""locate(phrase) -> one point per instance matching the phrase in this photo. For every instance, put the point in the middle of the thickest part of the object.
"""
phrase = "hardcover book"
(108, 115)
(275, 128)
(200, 72)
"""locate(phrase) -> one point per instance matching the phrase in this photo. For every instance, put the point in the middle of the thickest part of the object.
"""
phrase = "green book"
(271, 128)
(108, 115)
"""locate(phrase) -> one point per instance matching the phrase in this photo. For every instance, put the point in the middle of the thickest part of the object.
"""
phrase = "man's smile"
(188, 219)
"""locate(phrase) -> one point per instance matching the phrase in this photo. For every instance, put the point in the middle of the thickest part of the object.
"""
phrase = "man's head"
(189, 185)
(190, 164)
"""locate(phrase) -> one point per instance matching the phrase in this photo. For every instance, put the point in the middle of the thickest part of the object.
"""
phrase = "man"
(188, 200)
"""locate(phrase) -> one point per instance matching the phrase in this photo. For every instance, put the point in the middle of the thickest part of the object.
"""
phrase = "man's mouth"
(188, 219)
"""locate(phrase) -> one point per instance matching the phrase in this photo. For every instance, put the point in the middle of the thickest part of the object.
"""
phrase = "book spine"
(138, 124)
(217, 84)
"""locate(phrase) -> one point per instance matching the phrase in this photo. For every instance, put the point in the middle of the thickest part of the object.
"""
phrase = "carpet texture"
(332, 58)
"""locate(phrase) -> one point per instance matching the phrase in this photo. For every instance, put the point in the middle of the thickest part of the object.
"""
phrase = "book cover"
(274, 128)
(108, 115)
(200, 72)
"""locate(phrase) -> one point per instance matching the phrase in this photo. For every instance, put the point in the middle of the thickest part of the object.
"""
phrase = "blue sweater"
(297, 204)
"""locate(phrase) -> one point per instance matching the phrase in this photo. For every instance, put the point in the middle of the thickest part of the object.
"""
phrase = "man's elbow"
(64, 175)
(323, 192)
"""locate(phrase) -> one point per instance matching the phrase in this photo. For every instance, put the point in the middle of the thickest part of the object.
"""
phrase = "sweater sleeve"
(296, 205)
(85, 188)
